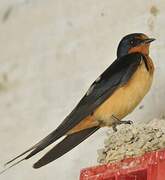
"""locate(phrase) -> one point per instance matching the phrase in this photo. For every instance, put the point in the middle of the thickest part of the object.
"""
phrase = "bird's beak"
(148, 40)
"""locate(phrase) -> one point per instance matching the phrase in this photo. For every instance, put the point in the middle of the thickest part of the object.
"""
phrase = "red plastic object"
(150, 166)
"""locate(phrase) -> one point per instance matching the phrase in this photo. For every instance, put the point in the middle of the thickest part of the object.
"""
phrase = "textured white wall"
(50, 52)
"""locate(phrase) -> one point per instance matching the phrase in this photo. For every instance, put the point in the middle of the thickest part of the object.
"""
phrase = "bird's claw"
(127, 122)
(114, 127)
(119, 122)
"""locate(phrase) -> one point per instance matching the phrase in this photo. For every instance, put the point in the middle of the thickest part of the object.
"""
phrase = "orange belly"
(126, 98)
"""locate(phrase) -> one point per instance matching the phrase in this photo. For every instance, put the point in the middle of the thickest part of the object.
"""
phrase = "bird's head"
(136, 42)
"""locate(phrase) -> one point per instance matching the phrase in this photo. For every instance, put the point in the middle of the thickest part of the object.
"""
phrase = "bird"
(110, 98)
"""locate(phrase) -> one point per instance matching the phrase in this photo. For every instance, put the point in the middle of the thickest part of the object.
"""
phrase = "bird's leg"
(121, 122)
(118, 122)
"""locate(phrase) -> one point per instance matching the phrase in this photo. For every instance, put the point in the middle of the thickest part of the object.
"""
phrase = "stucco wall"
(50, 52)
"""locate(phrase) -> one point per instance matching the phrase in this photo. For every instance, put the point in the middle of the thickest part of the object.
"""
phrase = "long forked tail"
(49, 139)
(68, 143)
(36, 148)
(52, 137)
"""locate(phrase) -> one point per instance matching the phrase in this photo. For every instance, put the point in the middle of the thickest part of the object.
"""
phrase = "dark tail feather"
(52, 137)
(64, 146)
(30, 149)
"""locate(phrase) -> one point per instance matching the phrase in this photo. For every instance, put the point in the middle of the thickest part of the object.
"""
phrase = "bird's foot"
(119, 122)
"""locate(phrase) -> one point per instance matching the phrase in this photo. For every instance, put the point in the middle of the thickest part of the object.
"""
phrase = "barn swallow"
(112, 96)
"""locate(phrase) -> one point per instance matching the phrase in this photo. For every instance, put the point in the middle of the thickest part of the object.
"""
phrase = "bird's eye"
(132, 42)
